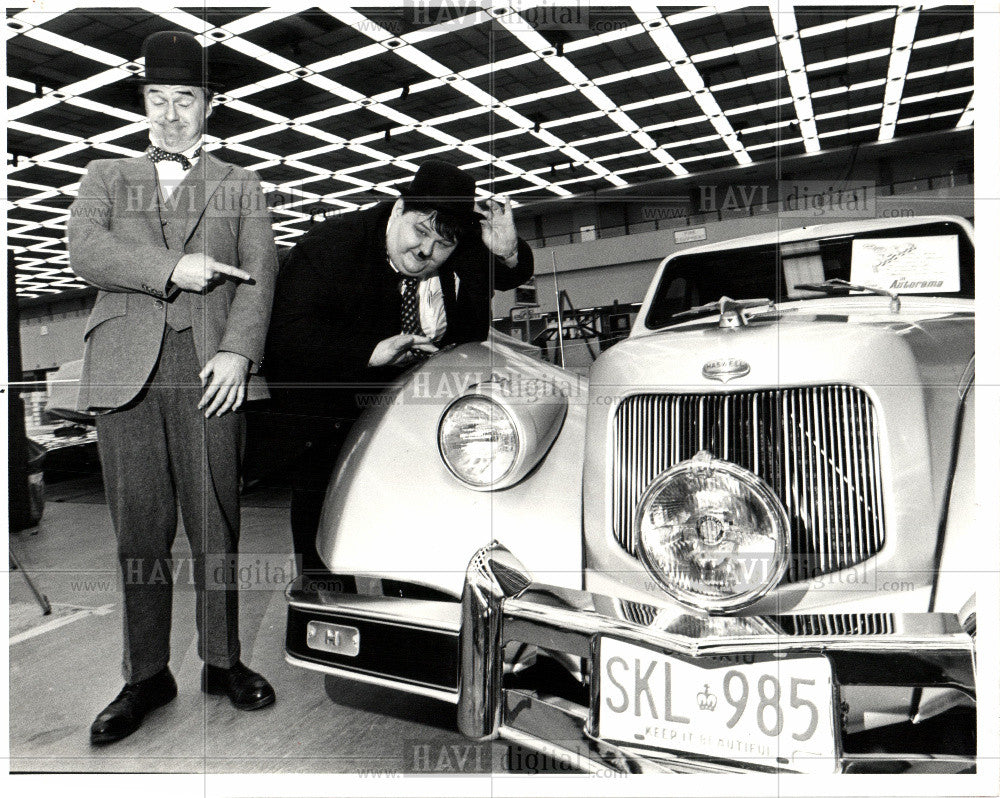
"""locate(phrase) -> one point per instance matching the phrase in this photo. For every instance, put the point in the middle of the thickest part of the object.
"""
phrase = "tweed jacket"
(126, 240)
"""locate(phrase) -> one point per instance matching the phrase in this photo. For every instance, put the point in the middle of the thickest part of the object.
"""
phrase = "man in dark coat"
(363, 296)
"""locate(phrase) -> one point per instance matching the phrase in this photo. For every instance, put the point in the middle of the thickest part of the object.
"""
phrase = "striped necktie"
(410, 308)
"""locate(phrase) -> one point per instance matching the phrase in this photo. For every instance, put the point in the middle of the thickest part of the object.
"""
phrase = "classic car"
(743, 544)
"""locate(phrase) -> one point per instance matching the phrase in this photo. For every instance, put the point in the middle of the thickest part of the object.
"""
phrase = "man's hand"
(499, 233)
(224, 379)
(197, 271)
(390, 351)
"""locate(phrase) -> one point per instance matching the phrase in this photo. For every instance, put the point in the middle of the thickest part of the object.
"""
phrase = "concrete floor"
(64, 669)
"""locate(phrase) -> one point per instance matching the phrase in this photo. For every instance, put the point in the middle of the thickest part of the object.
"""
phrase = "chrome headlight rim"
(498, 480)
(703, 460)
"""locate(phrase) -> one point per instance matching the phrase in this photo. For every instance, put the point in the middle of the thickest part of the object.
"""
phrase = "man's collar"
(194, 151)
(398, 273)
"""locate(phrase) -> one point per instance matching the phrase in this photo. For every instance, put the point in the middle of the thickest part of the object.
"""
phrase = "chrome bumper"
(502, 605)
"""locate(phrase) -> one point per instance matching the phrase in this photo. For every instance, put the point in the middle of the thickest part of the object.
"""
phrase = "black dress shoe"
(124, 715)
(246, 689)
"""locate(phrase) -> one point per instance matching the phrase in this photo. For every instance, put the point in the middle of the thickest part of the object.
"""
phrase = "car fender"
(393, 509)
(959, 558)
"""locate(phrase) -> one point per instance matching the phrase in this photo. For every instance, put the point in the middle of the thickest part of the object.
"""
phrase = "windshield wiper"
(838, 286)
(732, 312)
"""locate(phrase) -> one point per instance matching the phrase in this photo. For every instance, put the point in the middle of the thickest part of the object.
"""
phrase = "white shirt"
(433, 321)
(170, 173)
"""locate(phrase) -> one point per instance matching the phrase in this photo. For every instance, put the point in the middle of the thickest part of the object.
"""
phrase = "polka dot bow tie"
(155, 154)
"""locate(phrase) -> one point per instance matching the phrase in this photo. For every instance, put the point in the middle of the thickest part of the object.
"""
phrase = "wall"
(593, 273)
(944, 158)
(49, 339)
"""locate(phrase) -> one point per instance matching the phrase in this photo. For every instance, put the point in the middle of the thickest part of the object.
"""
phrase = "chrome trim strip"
(387, 618)
(578, 615)
(407, 687)
(870, 462)
(382, 609)
(907, 637)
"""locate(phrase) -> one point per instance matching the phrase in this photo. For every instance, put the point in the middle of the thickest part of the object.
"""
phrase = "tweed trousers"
(156, 450)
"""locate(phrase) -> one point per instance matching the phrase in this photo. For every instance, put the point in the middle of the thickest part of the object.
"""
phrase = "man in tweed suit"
(180, 246)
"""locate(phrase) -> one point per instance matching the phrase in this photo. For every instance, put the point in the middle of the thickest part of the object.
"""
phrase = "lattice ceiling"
(335, 106)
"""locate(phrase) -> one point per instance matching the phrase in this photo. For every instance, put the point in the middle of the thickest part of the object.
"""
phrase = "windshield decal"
(920, 265)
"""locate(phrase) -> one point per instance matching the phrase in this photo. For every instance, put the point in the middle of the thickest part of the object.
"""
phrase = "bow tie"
(155, 154)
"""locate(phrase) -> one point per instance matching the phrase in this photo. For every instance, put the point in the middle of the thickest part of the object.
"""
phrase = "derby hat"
(174, 58)
(444, 187)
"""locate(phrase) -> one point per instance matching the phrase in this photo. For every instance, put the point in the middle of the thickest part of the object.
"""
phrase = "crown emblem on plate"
(707, 700)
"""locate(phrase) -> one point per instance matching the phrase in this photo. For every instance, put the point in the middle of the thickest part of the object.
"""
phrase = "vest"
(174, 215)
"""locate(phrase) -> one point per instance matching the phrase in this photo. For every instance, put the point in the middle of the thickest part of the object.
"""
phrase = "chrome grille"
(817, 447)
(869, 623)
(836, 624)
(641, 614)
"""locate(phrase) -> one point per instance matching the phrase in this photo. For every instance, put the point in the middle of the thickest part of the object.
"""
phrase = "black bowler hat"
(444, 187)
(174, 58)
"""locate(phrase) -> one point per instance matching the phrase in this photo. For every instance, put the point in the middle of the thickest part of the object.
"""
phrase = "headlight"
(478, 440)
(712, 533)
(499, 430)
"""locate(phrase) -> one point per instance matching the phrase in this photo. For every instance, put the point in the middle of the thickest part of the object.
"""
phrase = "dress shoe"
(124, 715)
(245, 688)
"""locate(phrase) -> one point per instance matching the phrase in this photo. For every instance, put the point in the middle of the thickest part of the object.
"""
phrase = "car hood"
(855, 346)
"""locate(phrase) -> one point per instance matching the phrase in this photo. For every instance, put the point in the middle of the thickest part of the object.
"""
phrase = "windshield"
(934, 259)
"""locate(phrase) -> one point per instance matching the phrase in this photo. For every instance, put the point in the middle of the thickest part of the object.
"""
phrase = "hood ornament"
(726, 369)
(732, 312)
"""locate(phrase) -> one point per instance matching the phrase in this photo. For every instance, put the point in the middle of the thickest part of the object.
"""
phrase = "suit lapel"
(207, 175)
(140, 177)
(382, 281)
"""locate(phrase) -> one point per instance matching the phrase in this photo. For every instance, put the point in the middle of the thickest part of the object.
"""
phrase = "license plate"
(775, 713)
(333, 638)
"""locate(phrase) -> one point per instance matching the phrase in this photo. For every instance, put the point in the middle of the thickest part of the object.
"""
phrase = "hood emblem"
(726, 369)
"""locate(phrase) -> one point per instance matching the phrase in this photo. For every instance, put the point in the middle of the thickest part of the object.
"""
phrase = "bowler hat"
(445, 187)
(174, 58)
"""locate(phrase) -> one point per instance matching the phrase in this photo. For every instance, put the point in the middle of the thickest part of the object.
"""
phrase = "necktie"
(410, 308)
(155, 154)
